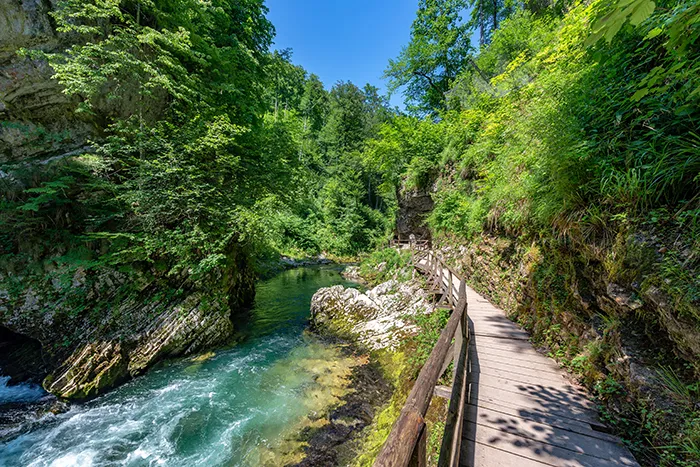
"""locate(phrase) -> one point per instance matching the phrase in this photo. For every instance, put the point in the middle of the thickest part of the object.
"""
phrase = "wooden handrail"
(406, 444)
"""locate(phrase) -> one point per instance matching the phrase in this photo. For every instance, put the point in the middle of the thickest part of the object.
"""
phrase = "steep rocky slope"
(37, 121)
(82, 334)
(78, 326)
(610, 315)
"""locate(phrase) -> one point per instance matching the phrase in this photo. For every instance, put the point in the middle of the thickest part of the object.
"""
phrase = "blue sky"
(344, 40)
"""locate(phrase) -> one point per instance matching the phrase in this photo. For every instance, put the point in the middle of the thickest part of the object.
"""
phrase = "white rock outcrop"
(377, 319)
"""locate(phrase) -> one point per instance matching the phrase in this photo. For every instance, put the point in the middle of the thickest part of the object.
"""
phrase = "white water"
(20, 393)
(231, 409)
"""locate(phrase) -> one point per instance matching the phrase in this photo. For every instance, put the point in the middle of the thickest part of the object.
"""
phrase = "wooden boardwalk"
(509, 405)
(522, 410)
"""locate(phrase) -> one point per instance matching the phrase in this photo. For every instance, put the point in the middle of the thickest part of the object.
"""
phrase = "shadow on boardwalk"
(522, 412)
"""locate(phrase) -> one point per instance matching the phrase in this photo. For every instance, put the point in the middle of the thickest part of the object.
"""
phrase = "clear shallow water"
(231, 408)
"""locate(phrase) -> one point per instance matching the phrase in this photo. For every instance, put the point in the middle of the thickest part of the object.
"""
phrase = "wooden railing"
(420, 244)
(406, 444)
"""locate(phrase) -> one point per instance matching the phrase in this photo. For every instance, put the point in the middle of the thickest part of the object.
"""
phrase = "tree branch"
(430, 80)
(478, 70)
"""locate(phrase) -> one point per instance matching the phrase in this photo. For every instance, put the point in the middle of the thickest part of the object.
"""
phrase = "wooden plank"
(525, 380)
(551, 419)
(517, 367)
(499, 329)
(538, 451)
(547, 434)
(448, 359)
(444, 392)
(542, 402)
(493, 320)
(515, 347)
(484, 325)
(513, 354)
(501, 335)
(479, 454)
(539, 394)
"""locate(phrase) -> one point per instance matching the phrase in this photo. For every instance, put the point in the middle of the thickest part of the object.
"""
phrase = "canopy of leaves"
(439, 49)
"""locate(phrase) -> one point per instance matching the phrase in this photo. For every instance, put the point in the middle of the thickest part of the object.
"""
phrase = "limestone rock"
(623, 297)
(414, 207)
(38, 121)
(84, 352)
(352, 273)
(183, 330)
(375, 319)
(91, 370)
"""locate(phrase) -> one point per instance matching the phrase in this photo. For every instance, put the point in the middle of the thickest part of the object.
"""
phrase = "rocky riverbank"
(374, 320)
(82, 332)
(331, 438)
(379, 323)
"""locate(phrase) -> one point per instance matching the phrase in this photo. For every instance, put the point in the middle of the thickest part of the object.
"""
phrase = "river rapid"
(240, 406)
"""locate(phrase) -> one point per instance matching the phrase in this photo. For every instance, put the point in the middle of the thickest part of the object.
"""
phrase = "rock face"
(414, 207)
(123, 326)
(37, 121)
(376, 319)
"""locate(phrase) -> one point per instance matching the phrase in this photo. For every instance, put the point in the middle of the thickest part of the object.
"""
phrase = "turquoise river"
(238, 406)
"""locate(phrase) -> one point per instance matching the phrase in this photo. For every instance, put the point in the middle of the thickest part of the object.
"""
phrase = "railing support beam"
(406, 444)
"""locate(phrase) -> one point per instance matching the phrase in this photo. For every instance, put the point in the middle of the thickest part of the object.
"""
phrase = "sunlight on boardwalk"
(522, 410)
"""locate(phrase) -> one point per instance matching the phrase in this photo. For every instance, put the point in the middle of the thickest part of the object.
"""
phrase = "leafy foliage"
(438, 50)
(208, 142)
(575, 127)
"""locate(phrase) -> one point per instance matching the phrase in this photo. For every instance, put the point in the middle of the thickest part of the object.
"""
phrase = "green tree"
(438, 51)
(486, 16)
(287, 82)
(344, 130)
(314, 105)
(377, 111)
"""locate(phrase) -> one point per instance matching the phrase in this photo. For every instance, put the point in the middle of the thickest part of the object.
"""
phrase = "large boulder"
(377, 319)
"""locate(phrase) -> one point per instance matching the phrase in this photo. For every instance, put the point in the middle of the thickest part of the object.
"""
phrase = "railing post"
(413, 263)
(420, 452)
(459, 338)
(449, 289)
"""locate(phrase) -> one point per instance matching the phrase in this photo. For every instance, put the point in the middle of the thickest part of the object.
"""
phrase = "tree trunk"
(482, 39)
(495, 16)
